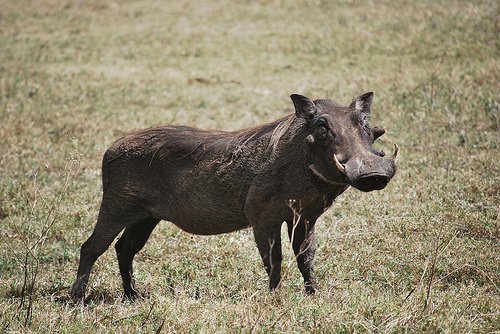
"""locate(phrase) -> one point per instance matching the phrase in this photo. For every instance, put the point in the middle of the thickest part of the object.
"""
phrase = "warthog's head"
(340, 140)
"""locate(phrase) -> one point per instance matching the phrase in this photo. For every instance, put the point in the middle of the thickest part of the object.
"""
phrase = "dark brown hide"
(212, 182)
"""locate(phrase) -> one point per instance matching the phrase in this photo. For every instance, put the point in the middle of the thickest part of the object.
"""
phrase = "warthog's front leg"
(302, 237)
(269, 244)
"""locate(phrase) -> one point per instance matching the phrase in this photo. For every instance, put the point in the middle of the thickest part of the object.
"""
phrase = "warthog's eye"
(321, 123)
(322, 130)
(322, 133)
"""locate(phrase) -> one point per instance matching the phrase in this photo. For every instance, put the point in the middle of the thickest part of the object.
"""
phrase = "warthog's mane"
(280, 131)
(168, 141)
(163, 141)
(270, 135)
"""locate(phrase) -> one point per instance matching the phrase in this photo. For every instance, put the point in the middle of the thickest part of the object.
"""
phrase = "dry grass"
(420, 256)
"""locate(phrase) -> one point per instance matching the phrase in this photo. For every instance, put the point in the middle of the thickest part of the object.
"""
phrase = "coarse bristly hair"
(187, 141)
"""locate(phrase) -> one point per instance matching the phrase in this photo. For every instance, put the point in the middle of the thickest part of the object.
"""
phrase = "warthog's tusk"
(338, 164)
(396, 151)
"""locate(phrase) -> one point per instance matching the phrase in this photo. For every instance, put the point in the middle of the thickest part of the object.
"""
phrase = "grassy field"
(423, 255)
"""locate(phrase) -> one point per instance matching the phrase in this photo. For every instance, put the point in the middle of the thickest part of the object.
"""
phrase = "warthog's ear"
(304, 107)
(363, 102)
(377, 132)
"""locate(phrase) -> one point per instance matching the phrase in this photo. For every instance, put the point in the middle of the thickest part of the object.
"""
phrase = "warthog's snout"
(369, 173)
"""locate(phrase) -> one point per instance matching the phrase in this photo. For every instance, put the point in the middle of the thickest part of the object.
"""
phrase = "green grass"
(423, 255)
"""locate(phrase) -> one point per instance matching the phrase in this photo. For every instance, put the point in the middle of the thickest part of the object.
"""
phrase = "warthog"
(212, 182)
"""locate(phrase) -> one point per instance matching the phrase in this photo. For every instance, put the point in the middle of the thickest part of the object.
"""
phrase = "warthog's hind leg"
(113, 218)
(103, 235)
(133, 239)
